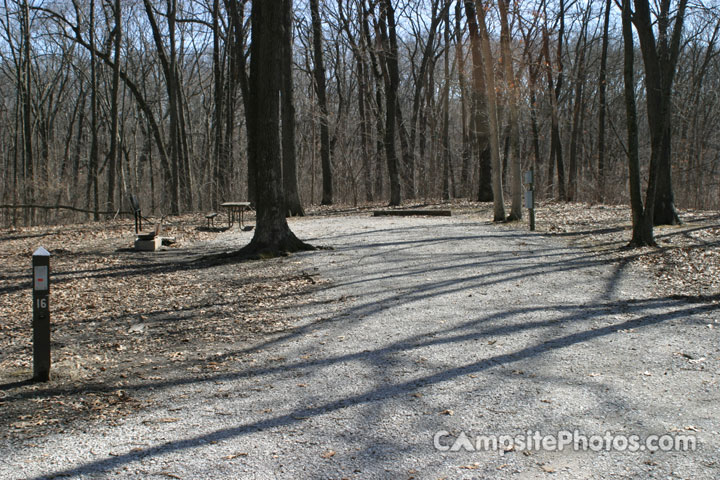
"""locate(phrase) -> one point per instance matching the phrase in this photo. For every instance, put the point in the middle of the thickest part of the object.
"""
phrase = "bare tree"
(480, 110)
(641, 213)
(602, 102)
(293, 205)
(390, 57)
(272, 234)
(513, 94)
(114, 158)
(660, 57)
(498, 201)
(321, 91)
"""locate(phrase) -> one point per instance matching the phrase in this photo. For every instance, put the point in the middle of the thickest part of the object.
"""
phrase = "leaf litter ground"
(122, 318)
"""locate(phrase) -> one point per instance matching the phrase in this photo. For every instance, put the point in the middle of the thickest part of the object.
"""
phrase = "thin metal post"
(530, 196)
(532, 208)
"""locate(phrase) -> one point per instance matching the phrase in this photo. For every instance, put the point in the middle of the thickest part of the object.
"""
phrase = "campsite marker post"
(530, 196)
(41, 315)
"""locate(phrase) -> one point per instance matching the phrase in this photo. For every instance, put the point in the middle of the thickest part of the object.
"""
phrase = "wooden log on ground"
(407, 213)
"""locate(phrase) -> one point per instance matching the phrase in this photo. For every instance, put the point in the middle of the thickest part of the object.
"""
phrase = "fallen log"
(406, 213)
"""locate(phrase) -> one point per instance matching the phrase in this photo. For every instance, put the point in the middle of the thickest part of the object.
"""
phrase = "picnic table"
(236, 208)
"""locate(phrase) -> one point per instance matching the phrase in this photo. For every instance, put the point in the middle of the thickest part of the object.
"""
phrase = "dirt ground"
(119, 315)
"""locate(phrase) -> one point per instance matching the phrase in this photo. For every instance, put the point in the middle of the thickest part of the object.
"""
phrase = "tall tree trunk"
(29, 172)
(498, 201)
(602, 100)
(114, 155)
(321, 90)
(272, 234)
(173, 97)
(479, 108)
(92, 181)
(220, 173)
(514, 101)
(641, 215)
(660, 59)
(554, 89)
(359, 46)
(446, 107)
(465, 176)
(293, 206)
(237, 78)
(393, 82)
(577, 108)
(365, 130)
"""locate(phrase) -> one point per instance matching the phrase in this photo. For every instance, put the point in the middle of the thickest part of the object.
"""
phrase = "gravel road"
(430, 334)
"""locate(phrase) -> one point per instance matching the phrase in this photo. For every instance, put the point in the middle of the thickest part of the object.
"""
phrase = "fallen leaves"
(686, 263)
(120, 318)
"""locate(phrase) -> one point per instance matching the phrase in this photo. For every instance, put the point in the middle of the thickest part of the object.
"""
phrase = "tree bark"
(481, 131)
(293, 206)
(321, 90)
(660, 59)
(114, 155)
(641, 215)
(446, 106)
(465, 177)
(554, 89)
(498, 200)
(514, 101)
(92, 180)
(272, 233)
(602, 100)
(393, 82)
(26, 89)
(577, 117)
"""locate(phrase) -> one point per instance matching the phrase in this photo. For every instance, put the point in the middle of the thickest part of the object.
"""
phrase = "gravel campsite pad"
(408, 337)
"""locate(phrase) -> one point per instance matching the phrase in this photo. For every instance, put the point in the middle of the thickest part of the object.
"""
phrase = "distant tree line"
(380, 101)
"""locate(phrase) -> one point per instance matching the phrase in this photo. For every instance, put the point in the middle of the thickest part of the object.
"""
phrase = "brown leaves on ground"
(123, 319)
(686, 261)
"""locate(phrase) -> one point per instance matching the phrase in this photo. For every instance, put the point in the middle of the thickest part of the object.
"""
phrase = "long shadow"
(158, 266)
(374, 396)
(464, 332)
(559, 263)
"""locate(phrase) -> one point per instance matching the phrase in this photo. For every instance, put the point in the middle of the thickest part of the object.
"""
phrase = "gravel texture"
(427, 325)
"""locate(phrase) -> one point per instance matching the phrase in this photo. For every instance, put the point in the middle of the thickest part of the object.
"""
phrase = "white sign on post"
(41, 277)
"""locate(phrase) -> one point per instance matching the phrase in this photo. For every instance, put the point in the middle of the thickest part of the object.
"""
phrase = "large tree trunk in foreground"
(272, 234)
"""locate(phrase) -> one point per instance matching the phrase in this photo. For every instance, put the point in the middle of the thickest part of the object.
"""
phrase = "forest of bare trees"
(382, 101)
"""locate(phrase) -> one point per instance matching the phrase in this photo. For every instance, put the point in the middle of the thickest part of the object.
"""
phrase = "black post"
(41, 315)
(530, 196)
(532, 209)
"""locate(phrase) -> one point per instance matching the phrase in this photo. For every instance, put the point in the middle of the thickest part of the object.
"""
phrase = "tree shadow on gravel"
(493, 268)
(377, 396)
